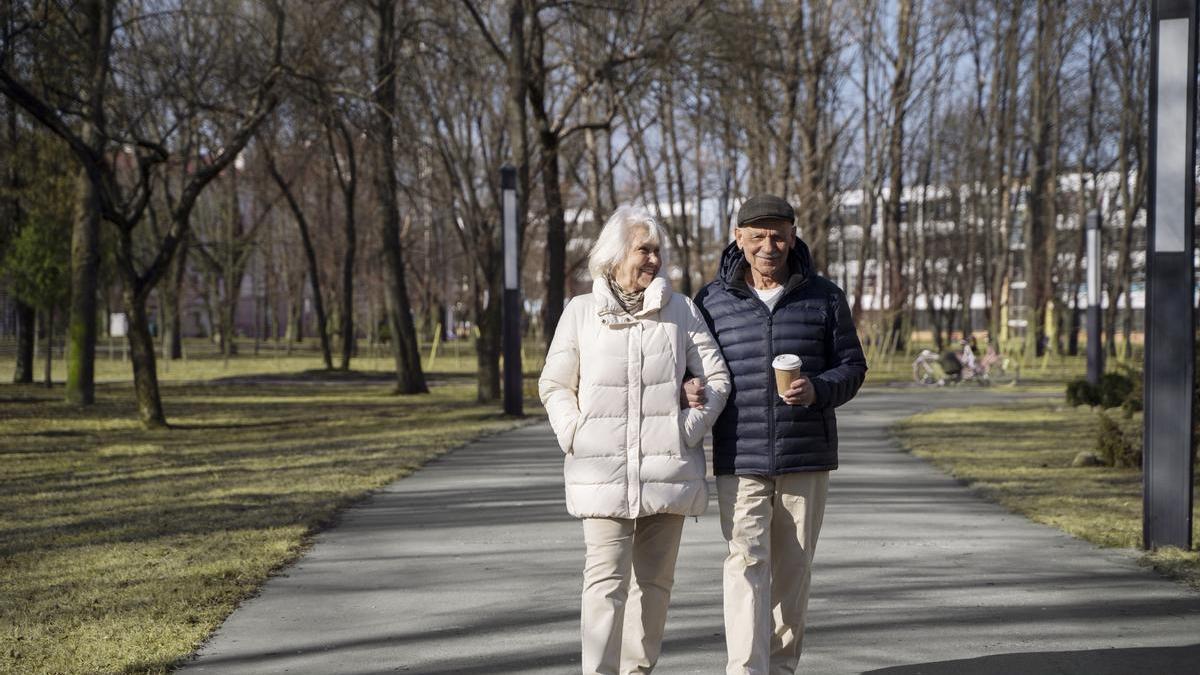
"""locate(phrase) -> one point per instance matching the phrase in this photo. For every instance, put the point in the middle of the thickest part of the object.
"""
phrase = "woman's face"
(641, 262)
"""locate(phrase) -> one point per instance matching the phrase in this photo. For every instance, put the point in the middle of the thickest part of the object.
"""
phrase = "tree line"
(343, 157)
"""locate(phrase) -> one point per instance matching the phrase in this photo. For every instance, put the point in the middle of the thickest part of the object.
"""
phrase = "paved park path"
(472, 566)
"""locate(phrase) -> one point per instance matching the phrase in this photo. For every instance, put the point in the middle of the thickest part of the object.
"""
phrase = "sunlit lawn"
(122, 549)
(1019, 454)
(202, 361)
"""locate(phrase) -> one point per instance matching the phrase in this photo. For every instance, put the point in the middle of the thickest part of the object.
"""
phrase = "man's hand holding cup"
(793, 387)
(800, 393)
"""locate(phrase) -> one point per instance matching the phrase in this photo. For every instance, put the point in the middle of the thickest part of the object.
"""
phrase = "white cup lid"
(786, 362)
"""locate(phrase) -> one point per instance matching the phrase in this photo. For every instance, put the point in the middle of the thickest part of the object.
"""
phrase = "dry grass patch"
(1020, 456)
(122, 549)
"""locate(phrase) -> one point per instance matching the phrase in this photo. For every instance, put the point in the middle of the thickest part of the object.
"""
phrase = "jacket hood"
(733, 263)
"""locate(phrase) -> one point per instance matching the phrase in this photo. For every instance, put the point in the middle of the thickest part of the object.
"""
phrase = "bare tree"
(410, 378)
(1126, 37)
(310, 254)
(1041, 224)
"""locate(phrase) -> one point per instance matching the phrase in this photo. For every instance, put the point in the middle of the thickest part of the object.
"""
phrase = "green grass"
(202, 361)
(122, 549)
(1020, 456)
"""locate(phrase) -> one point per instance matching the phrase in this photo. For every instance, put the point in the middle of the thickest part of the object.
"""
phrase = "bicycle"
(929, 368)
(1000, 369)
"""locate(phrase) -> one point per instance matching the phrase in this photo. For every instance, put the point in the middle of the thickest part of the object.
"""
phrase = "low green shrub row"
(1114, 390)
(1119, 433)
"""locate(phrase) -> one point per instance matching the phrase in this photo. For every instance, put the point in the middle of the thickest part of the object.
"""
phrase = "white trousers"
(621, 551)
(771, 526)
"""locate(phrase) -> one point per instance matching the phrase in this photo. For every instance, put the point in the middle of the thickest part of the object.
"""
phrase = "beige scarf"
(630, 302)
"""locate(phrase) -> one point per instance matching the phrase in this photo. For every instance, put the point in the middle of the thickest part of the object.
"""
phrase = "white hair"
(615, 238)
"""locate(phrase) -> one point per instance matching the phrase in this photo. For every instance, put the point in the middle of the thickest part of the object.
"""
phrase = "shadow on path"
(1090, 662)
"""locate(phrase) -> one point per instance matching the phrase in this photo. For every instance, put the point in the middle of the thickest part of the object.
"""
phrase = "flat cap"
(764, 207)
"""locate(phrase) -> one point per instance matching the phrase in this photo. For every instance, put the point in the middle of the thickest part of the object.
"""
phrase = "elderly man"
(773, 450)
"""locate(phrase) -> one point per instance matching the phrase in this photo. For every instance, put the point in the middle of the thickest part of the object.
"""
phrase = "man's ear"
(737, 236)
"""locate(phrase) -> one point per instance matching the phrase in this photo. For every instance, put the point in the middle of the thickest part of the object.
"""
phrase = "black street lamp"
(1095, 355)
(511, 330)
(1170, 327)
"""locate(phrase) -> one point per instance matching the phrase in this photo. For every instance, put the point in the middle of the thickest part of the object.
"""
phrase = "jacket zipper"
(770, 388)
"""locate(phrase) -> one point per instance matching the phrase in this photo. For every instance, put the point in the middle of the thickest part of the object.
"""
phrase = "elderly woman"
(635, 461)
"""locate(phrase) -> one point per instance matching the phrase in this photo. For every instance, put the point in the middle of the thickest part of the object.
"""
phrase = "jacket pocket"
(566, 437)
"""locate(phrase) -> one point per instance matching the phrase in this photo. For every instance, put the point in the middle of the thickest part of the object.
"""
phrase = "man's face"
(766, 244)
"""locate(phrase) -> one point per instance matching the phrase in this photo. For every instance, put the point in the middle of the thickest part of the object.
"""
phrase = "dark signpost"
(1095, 355)
(511, 329)
(1170, 329)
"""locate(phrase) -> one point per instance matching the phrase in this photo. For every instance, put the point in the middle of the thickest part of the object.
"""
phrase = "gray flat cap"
(764, 207)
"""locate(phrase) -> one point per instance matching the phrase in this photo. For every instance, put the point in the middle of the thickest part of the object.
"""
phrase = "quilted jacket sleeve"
(841, 381)
(558, 385)
(704, 357)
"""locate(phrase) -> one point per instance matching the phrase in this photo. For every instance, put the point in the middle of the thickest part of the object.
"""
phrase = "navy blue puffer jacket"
(759, 434)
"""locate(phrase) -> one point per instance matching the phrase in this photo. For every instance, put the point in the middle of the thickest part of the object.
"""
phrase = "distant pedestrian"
(776, 440)
(635, 462)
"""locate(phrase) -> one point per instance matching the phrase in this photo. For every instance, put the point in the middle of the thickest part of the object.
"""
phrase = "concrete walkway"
(473, 566)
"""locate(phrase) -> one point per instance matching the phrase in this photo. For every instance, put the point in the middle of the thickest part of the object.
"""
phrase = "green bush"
(1133, 402)
(1114, 389)
(1130, 381)
(1119, 445)
(1082, 392)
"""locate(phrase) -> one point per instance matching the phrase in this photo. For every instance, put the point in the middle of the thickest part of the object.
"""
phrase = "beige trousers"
(621, 551)
(771, 525)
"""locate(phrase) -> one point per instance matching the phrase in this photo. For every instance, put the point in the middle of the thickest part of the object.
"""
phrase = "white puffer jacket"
(611, 388)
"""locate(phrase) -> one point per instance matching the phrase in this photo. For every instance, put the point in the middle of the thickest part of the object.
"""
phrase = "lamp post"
(511, 329)
(1095, 355)
(1170, 330)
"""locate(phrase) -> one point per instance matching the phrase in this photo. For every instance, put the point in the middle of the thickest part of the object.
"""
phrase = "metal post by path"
(513, 385)
(1095, 355)
(1170, 330)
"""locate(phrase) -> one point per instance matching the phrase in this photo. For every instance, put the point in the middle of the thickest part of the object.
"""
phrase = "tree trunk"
(173, 342)
(410, 379)
(314, 272)
(1040, 223)
(487, 347)
(26, 335)
(49, 345)
(556, 237)
(675, 176)
(81, 321)
(145, 370)
(85, 237)
(893, 237)
(348, 182)
(867, 200)
(347, 322)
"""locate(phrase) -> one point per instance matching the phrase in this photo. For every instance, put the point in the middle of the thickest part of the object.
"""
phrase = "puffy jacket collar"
(610, 310)
(733, 267)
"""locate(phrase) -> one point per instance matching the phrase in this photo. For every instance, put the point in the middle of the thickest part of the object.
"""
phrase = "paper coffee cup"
(787, 368)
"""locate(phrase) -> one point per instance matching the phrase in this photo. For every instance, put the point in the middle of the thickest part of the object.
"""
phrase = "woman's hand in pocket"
(692, 395)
